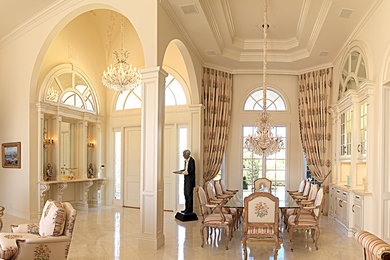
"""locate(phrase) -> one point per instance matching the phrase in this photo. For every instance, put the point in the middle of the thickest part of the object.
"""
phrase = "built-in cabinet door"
(357, 211)
(344, 212)
(132, 166)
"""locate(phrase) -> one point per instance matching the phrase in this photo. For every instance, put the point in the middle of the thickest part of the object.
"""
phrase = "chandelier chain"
(263, 142)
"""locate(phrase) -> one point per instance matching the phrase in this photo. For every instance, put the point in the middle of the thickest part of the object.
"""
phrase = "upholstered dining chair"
(219, 192)
(305, 192)
(261, 219)
(50, 239)
(213, 198)
(262, 183)
(307, 218)
(300, 189)
(212, 220)
(227, 191)
(301, 200)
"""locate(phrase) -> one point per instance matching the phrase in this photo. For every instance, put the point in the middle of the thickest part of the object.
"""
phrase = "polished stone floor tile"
(111, 233)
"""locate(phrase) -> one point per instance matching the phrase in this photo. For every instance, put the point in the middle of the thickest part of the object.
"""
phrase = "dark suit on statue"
(189, 184)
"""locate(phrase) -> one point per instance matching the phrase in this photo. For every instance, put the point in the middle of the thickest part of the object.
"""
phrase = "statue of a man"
(189, 180)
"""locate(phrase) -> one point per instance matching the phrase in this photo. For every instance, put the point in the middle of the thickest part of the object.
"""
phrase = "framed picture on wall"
(11, 155)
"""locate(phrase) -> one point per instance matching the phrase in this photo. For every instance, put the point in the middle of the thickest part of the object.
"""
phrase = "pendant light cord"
(265, 28)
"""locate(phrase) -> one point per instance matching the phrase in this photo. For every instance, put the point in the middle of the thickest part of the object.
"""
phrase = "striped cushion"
(303, 220)
(290, 212)
(53, 219)
(374, 246)
(260, 230)
(216, 218)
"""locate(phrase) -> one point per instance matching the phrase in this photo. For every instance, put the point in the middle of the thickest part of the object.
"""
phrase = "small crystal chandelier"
(263, 142)
(122, 76)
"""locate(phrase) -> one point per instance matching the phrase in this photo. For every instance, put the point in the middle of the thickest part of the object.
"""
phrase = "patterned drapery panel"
(217, 101)
(315, 123)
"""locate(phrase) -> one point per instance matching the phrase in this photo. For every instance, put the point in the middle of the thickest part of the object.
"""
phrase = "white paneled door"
(169, 167)
(132, 164)
(132, 167)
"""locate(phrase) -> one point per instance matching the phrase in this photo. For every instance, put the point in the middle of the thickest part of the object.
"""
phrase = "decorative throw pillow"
(53, 219)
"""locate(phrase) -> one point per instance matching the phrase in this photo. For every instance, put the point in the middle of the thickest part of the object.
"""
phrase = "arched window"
(353, 73)
(174, 95)
(275, 102)
(71, 88)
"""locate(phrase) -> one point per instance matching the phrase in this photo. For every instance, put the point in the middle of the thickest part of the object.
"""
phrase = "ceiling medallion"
(122, 76)
(263, 142)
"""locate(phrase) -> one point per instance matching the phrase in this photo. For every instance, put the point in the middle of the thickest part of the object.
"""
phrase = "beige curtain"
(315, 124)
(217, 100)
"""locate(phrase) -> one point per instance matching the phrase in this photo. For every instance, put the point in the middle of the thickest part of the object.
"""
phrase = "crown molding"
(257, 44)
(303, 17)
(208, 11)
(319, 24)
(38, 19)
(175, 20)
(258, 56)
(359, 27)
(229, 18)
(270, 71)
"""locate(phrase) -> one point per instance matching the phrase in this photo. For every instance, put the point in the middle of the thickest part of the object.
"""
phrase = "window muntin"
(354, 73)
(174, 95)
(76, 93)
(363, 129)
(274, 101)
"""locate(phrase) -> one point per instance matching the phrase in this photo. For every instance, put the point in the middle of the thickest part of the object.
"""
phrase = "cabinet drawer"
(344, 195)
(358, 200)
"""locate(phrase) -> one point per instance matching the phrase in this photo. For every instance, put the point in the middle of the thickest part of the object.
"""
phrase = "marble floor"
(111, 233)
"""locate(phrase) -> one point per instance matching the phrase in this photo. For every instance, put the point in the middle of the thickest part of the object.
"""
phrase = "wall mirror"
(68, 149)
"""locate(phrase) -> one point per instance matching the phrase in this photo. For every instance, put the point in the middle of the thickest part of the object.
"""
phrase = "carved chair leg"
(313, 234)
(277, 245)
(291, 238)
(202, 234)
(244, 247)
(317, 237)
(227, 227)
(207, 234)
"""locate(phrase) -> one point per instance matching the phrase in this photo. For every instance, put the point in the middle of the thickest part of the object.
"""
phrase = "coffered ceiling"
(302, 34)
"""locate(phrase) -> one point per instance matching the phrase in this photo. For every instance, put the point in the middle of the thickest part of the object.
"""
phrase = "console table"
(81, 193)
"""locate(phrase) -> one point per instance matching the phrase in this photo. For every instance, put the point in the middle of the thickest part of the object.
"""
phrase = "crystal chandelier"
(122, 76)
(263, 142)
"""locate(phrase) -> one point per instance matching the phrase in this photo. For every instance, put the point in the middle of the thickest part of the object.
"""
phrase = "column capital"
(153, 72)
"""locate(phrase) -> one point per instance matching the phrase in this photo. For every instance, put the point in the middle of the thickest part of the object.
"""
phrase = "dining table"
(285, 200)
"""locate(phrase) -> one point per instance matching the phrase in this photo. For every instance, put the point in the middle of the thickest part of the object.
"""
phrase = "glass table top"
(285, 200)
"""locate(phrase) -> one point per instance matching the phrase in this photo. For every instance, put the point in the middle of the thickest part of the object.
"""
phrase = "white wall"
(243, 85)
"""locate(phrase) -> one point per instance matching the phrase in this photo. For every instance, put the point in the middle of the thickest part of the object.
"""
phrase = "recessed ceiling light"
(189, 9)
(324, 53)
(211, 53)
(345, 13)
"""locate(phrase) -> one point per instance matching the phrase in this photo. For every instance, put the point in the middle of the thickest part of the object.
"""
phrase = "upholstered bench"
(49, 240)
(374, 247)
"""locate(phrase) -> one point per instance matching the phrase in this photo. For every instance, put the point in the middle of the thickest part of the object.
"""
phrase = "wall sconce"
(91, 144)
(47, 141)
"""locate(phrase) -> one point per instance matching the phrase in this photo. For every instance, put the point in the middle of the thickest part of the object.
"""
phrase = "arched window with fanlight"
(71, 88)
(354, 73)
(275, 101)
(174, 95)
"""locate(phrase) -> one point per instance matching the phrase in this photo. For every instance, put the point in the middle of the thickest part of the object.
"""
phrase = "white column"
(196, 145)
(58, 162)
(152, 136)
